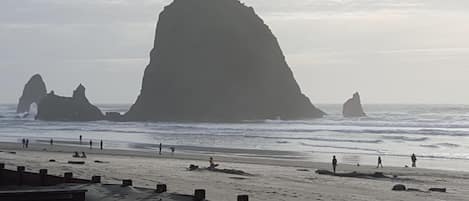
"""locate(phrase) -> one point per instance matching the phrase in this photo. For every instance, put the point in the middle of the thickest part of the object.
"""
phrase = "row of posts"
(199, 194)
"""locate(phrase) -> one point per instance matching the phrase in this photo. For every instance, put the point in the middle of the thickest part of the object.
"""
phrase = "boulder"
(75, 108)
(353, 107)
(399, 187)
(216, 60)
(33, 92)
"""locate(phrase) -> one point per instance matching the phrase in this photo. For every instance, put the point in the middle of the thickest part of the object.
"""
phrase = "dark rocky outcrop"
(353, 107)
(75, 108)
(33, 92)
(216, 60)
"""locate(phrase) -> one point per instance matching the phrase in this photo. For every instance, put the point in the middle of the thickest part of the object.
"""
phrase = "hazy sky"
(392, 51)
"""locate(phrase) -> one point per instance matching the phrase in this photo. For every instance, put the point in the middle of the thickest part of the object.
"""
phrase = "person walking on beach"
(101, 144)
(161, 146)
(51, 142)
(414, 160)
(334, 163)
(24, 142)
(81, 137)
(380, 162)
(91, 144)
(27, 143)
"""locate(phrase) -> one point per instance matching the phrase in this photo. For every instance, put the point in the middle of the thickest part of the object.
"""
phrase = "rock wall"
(33, 92)
(75, 108)
(216, 60)
(353, 107)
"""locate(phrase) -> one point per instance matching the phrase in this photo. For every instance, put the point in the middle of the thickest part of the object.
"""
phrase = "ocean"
(437, 134)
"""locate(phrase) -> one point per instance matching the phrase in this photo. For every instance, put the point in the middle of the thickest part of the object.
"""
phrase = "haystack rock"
(216, 60)
(353, 107)
(75, 108)
(33, 92)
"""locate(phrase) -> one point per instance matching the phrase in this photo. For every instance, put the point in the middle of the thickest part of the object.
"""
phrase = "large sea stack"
(75, 108)
(353, 107)
(216, 60)
(33, 92)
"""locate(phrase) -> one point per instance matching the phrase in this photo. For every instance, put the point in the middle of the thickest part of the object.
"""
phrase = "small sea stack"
(75, 108)
(216, 60)
(34, 90)
(353, 107)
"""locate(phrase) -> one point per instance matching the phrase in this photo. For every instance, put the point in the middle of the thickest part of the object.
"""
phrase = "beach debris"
(238, 178)
(443, 190)
(76, 162)
(52, 160)
(414, 189)
(302, 170)
(12, 152)
(193, 167)
(352, 174)
(399, 187)
(98, 161)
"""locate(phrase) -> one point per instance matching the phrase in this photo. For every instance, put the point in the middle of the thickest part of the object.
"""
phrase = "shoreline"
(272, 179)
(280, 158)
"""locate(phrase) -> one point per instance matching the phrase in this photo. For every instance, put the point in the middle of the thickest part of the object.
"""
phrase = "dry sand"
(273, 179)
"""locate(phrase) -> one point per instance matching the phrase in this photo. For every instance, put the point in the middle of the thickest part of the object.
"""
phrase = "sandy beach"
(272, 179)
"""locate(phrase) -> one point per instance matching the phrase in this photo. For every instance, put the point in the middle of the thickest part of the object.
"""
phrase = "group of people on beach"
(413, 158)
(25, 143)
(101, 143)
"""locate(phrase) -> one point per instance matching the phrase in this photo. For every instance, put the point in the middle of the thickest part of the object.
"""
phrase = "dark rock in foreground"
(33, 92)
(76, 108)
(216, 60)
(353, 107)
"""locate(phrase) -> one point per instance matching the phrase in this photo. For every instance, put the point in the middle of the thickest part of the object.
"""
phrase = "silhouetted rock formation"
(216, 60)
(75, 108)
(353, 107)
(33, 92)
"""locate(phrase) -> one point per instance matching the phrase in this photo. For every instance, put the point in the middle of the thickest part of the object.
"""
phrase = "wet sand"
(281, 178)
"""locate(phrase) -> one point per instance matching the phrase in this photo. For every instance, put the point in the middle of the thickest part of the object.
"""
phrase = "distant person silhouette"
(101, 145)
(81, 137)
(91, 144)
(334, 163)
(414, 160)
(24, 142)
(27, 143)
(51, 142)
(380, 162)
(161, 146)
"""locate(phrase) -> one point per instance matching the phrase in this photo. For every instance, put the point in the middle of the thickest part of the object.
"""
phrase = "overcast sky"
(392, 51)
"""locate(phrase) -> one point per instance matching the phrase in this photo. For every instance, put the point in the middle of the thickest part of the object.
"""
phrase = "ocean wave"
(405, 138)
(342, 147)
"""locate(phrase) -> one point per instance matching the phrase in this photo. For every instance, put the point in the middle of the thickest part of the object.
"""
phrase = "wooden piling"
(199, 195)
